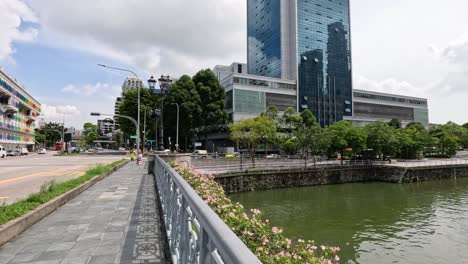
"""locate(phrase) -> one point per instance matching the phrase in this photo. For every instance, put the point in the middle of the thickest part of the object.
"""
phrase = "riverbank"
(277, 179)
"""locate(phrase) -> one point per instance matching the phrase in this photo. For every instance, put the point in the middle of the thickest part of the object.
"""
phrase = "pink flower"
(300, 241)
(275, 230)
(337, 258)
(255, 211)
(232, 215)
(322, 247)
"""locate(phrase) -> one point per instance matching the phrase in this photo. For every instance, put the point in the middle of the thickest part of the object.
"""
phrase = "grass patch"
(49, 191)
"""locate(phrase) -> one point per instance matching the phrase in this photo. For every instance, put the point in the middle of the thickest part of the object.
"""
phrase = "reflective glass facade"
(324, 57)
(264, 37)
(320, 31)
(249, 101)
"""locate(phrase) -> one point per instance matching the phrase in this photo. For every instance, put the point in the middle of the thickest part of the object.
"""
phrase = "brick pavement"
(114, 221)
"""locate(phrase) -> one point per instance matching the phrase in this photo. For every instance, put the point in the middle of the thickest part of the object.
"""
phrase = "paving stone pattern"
(114, 221)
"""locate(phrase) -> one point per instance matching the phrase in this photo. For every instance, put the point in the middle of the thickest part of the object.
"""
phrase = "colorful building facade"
(18, 113)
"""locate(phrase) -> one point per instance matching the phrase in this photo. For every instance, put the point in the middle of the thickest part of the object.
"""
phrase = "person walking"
(140, 158)
(132, 155)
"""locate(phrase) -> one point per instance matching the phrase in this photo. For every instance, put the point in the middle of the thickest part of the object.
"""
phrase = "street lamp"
(127, 117)
(177, 137)
(164, 83)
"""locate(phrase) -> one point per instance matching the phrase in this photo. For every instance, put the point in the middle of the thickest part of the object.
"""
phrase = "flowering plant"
(265, 240)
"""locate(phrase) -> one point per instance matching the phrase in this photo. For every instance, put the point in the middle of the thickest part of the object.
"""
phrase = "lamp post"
(177, 135)
(127, 117)
(164, 83)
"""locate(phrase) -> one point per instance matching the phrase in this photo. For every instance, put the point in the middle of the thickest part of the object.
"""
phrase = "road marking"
(4, 197)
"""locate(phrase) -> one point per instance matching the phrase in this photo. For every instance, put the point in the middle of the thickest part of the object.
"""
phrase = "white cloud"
(455, 52)
(55, 113)
(98, 89)
(165, 36)
(13, 14)
(78, 101)
(390, 85)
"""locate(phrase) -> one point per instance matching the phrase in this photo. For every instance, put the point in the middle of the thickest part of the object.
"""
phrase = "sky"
(52, 47)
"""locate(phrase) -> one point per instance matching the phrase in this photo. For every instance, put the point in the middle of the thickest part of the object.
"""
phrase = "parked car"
(24, 151)
(42, 151)
(2, 152)
(200, 154)
(273, 156)
(13, 153)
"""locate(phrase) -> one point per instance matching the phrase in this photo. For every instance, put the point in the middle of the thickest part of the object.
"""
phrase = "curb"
(16, 226)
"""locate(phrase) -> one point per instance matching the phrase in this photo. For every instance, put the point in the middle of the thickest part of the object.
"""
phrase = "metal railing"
(278, 164)
(431, 163)
(195, 232)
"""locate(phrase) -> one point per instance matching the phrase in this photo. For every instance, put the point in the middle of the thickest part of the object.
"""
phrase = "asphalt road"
(21, 176)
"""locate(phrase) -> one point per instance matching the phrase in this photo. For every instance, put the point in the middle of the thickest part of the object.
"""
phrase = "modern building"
(249, 95)
(372, 106)
(308, 41)
(18, 112)
(106, 127)
(130, 83)
(118, 101)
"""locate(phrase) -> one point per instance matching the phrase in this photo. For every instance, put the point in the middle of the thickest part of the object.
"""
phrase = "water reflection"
(375, 223)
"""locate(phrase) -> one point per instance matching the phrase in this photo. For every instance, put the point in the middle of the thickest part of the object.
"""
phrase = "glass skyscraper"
(307, 41)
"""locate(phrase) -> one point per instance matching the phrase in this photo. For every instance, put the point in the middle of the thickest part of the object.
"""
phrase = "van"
(2, 152)
(24, 151)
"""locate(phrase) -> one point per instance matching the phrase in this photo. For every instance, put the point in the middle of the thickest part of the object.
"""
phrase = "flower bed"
(265, 240)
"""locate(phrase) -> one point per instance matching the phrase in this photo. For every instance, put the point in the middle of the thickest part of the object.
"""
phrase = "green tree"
(416, 125)
(51, 132)
(310, 137)
(395, 123)
(212, 102)
(357, 139)
(382, 139)
(338, 136)
(251, 132)
(129, 107)
(291, 119)
(448, 138)
(184, 93)
(90, 133)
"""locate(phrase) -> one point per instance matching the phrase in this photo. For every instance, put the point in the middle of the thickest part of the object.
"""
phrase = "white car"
(42, 151)
(2, 152)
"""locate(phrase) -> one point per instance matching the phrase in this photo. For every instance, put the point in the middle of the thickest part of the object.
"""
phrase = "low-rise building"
(249, 95)
(370, 106)
(18, 112)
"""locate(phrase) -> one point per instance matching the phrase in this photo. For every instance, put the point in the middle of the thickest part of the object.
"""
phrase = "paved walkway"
(114, 221)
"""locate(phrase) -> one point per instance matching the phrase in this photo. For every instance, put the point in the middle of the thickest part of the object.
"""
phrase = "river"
(374, 222)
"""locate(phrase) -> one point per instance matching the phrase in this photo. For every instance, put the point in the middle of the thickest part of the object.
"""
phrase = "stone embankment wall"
(265, 180)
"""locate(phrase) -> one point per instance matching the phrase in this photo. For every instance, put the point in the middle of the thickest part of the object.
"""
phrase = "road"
(21, 176)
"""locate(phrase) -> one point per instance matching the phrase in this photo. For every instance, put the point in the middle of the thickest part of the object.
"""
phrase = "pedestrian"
(132, 155)
(140, 158)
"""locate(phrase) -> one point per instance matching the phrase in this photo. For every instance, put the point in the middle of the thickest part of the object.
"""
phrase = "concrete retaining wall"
(264, 180)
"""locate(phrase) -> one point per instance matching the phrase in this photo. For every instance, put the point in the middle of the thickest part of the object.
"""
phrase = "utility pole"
(144, 130)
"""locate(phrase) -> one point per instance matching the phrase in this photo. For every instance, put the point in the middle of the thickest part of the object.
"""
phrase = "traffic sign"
(198, 144)
(133, 137)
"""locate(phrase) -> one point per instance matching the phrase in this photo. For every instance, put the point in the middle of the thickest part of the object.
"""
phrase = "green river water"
(375, 222)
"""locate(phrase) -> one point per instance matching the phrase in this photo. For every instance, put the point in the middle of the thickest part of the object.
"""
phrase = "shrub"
(266, 241)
